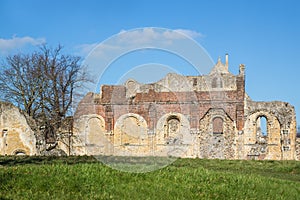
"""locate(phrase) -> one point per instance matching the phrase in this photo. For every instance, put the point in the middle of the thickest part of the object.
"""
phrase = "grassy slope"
(84, 178)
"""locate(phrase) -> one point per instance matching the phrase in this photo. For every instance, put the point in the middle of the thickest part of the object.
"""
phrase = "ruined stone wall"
(207, 116)
(16, 136)
(193, 104)
(280, 141)
(297, 151)
(90, 136)
(136, 117)
(218, 144)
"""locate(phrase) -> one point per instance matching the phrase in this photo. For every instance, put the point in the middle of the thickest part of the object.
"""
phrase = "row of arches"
(136, 126)
(172, 124)
(263, 136)
(168, 127)
(133, 123)
(131, 130)
(131, 134)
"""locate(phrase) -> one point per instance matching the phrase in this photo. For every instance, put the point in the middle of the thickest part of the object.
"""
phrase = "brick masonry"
(175, 116)
(208, 116)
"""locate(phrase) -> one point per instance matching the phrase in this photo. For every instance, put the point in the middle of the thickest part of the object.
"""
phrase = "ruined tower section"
(277, 141)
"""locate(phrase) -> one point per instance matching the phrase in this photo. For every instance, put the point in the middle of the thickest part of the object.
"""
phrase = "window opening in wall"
(217, 125)
(172, 126)
(194, 81)
(50, 134)
(4, 132)
(261, 126)
(217, 83)
(214, 83)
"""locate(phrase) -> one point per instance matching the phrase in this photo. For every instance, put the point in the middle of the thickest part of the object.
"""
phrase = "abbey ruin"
(208, 116)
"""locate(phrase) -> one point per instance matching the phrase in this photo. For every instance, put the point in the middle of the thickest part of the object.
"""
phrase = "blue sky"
(262, 34)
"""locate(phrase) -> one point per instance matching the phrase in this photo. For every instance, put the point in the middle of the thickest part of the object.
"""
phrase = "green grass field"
(86, 178)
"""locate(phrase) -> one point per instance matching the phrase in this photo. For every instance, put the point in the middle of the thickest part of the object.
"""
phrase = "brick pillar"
(152, 115)
(109, 118)
(240, 85)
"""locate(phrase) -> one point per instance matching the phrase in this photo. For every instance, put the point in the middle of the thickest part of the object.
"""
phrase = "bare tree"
(43, 84)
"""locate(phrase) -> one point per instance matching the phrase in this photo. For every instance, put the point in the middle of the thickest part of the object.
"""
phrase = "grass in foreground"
(85, 178)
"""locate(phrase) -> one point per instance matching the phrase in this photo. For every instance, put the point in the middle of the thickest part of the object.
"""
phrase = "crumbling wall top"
(284, 112)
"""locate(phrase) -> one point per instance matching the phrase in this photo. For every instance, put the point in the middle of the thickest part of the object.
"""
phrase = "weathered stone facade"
(16, 137)
(207, 116)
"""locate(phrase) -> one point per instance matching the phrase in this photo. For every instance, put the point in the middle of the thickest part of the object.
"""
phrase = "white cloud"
(139, 37)
(190, 33)
(85, 49)
(102, 56)
(97, 48)
(15, 43)
(146, 35)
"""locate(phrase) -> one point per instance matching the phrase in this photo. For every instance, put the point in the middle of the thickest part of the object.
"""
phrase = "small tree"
(43, 84)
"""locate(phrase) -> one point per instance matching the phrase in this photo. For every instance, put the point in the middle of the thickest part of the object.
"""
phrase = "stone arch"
(132, 87)
(257, 145)
(95, 125)
(90, 136)
(216, 143)
(173, 128)
(173, 137)
(207, 121)
(96, 138)
(130, 129)
(19, 152)
(252, 123)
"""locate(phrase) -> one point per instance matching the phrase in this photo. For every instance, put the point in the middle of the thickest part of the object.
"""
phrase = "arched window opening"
(217, 125)
(173, 124)
(261, 126)
(217, 83)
